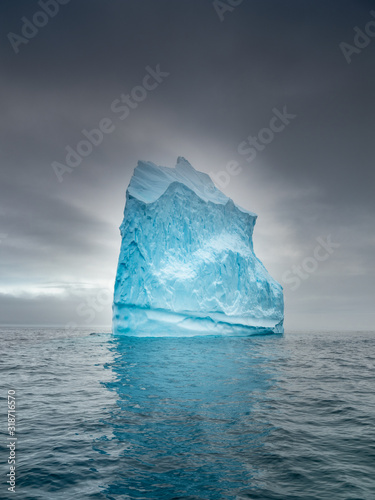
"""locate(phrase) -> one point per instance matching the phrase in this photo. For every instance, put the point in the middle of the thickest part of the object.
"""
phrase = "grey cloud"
(314, 179)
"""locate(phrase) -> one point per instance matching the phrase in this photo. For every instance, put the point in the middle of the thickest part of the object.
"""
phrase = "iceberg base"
(138, 322)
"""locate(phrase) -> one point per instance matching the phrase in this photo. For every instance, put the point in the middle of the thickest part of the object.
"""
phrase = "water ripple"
(279, 417)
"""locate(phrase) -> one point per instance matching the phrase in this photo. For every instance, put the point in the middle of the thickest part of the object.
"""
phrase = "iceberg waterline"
(187, 265)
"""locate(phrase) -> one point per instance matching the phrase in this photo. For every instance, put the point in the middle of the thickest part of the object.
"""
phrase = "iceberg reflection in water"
(191, 415)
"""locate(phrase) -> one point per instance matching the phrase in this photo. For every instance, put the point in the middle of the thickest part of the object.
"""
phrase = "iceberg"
(187, 264)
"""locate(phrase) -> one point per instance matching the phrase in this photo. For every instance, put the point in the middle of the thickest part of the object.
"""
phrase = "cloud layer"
(313, 179)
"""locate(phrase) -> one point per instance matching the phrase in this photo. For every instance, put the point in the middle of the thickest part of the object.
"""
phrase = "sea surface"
(270, 417)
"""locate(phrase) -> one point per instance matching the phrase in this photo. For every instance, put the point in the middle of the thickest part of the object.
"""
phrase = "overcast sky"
(228, 70)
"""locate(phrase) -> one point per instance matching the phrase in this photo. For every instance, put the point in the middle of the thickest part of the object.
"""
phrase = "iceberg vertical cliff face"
(187, 265)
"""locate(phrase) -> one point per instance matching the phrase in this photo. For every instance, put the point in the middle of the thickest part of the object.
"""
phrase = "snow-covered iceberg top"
(187, 264)
(150, 181)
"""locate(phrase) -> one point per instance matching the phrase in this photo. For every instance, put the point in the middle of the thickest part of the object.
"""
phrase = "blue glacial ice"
(187, 265)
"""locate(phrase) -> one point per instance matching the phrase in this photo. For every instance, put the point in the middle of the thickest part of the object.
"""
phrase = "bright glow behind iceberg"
(187, 265)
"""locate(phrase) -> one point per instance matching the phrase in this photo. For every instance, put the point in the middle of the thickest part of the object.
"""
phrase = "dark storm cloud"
(315, 178)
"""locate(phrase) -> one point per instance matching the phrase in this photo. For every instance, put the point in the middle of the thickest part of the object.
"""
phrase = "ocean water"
(275, 417)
